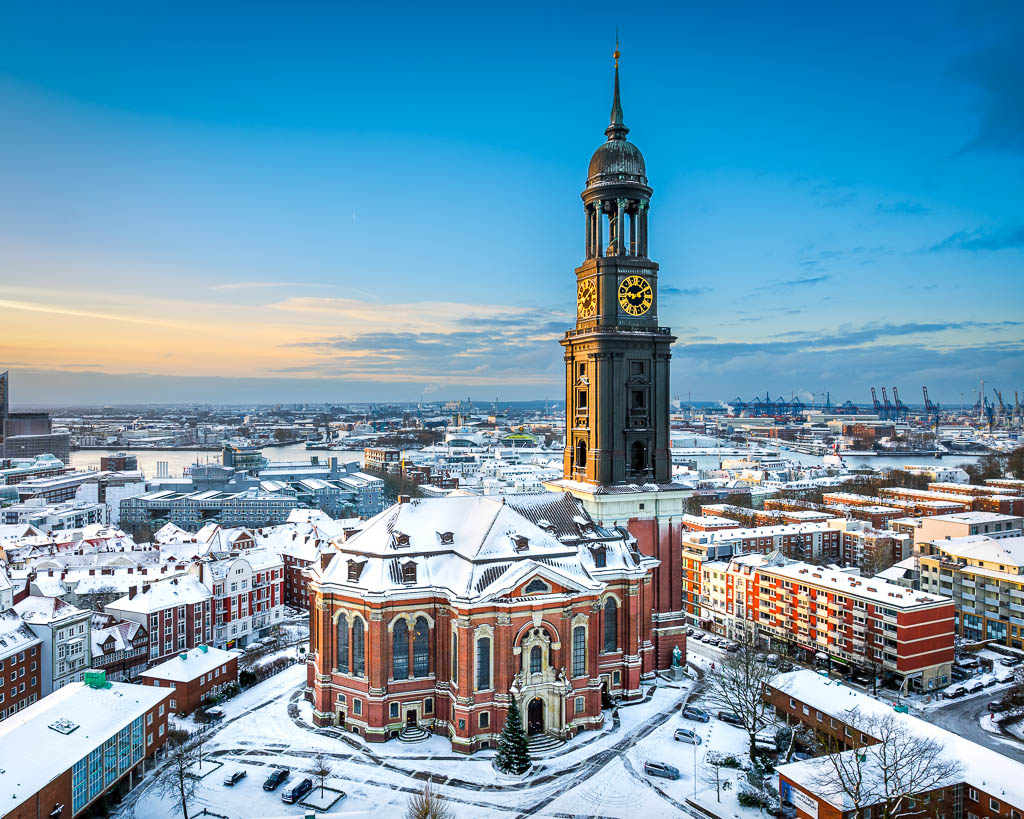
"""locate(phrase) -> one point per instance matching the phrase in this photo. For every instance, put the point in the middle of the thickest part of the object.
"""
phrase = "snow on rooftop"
(1004, 551)
(983, 768)
(196, 662)
(33, 754)
(162, 594)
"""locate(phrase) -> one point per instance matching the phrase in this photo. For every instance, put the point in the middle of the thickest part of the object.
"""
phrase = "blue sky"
(291, 202)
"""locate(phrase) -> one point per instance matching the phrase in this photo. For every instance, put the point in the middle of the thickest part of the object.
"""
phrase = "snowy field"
(599, 773)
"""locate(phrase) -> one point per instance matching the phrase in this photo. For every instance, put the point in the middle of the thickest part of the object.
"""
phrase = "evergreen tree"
(513, 756)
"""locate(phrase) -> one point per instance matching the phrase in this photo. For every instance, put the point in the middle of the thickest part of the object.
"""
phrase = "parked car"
(800, 756)
(214, 714)
(695, 713)
(968, 662)
(711, 639)
(997, 706)
(661, 769)
(275, 779)
(1003, 675)
(686, 735)
(1010, 661)
(987, 680)
(698, 636)
(772, 660)
(233, 779)
(294, 794)
(730, 717)
(954, 691)
(862, 679)
(689, 631)
(973, 686)
(732, 647)
(785, 665)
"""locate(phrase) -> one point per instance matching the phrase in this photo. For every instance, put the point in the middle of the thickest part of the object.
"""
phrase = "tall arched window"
(421, 648)
(400, 651)
(358, 648)
(581, 454)
(638, 457)
(611, 625)
(343, 643)
(455, 656)
(483, 663)
(579, 651)
(535, 660)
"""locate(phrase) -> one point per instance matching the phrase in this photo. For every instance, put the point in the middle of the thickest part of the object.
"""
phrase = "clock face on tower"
(635, 295)
(586, 298)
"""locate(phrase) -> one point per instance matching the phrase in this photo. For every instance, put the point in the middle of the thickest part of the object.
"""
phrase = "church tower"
(617, 357)
(617, 457)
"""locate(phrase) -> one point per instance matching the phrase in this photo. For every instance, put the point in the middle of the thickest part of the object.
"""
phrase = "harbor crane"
(876, 405)
(888, 406)
(930, 410)
(901, 409)
(1002, 408)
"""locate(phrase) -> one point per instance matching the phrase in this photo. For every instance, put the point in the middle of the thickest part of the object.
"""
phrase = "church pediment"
(538, 580)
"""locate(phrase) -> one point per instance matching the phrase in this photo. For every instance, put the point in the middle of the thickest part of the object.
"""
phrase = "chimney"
(132, 592)
(145, 588)
(403, 498)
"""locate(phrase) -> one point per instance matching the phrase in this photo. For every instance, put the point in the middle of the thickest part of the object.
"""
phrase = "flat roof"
(188, 665)
(32, 754)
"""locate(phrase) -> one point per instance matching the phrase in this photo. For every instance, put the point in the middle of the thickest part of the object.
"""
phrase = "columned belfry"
(617, 357)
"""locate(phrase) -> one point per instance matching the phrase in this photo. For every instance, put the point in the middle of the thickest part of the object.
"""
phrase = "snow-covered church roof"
(473, 548)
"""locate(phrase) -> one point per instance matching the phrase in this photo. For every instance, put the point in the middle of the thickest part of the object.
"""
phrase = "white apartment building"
(66, 639)
(247, 594)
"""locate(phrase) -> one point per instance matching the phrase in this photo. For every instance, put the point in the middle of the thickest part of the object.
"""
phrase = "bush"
(247, 678)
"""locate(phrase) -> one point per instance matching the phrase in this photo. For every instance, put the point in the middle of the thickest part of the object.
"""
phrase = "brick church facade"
(439, 612)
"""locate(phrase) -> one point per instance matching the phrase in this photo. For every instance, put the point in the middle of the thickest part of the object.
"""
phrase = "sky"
(292, 202)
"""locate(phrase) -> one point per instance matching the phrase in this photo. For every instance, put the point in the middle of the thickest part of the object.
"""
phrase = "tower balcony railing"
(599, 328)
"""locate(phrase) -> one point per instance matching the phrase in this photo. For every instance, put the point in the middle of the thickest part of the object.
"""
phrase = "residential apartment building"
(833, 616)
(176, 612)
(89, 740)
(20, 669)
(50, 517)
(866, 547)
(817, 541)
(14, 471)
(987, 785)
(964, 495)
(382, 460)
(910, 506)
(247, 595)
(193, 676)
(985, 578)
(120, 648)
(960, 524)
(64, 632)
(191, 511)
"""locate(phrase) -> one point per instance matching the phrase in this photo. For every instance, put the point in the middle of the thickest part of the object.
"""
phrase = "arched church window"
(343, 643)
(535, 660)
(581, 454)
(611, 625)
(579, 651)
(483, 663)
(455, 656)
(421, 648)
(358, 648)
(537, 586)
(400, 651)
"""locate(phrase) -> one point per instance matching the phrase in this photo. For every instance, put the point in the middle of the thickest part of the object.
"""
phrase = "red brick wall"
(24, 666)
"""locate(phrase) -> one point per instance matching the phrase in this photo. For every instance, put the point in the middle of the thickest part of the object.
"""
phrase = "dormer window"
(536, 586)
(446, 538)
(600, 555)
(400, 540)
(409, 572)
(520, 543)
(355, 569)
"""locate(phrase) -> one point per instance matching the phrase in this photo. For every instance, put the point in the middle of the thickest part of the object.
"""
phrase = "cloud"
(806, 280)
(264, 285)
(902, 208)
(683, 291)
(1001, 238)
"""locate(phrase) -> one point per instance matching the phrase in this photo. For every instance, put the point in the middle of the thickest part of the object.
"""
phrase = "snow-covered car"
(772, 660)
(698, 636)
(1010, 662)
(686, 735)
(987, 680)
(214, 714)
(234, 778)
(689, 631)
(801, 756)
(1003, 675)
(785, 665)
(730, 717)
(275, 780)
(954, 691)
(661, 769)
(973, 686)
(697, 714)
(997, 706)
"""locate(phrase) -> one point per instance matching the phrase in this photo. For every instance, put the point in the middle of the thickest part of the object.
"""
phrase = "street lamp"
(907, 679)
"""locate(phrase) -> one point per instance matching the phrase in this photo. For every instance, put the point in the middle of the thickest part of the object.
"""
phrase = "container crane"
(876, 405)
(901, 408)
(930, 409)
(1002, 408)
(888, 406)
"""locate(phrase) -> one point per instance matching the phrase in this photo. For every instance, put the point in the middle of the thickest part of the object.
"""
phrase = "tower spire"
(616, 130)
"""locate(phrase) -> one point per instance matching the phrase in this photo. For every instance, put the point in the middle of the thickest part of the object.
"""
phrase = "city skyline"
(340, 207)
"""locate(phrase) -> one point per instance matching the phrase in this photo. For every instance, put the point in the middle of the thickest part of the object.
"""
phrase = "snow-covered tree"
(177, 779)
(426, 804)
(738, 685)
(513, 755)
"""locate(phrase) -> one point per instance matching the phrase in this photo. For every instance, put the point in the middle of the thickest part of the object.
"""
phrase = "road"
(961, 717)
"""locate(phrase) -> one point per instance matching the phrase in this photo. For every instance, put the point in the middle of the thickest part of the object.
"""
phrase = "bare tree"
(738, 685)
(711, 773)
(177, 779)
(321, 769)
(900, 765)
(428, 805)
(798, 733)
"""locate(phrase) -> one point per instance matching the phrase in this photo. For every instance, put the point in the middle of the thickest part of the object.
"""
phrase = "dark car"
(689, 631)
(997, 706)
(785, 665)
(695, 713)
(862, 679)
(730, 717)
(234, 778)
(1010, 662)
(661, 769)
(294, 794)
(275, 780)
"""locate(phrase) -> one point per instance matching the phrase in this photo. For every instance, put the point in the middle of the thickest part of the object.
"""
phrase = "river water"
(178, 459)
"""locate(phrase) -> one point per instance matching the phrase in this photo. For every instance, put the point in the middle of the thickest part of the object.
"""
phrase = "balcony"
(965, 582)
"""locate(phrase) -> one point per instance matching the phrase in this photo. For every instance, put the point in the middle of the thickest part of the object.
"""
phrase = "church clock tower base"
(653, 515)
